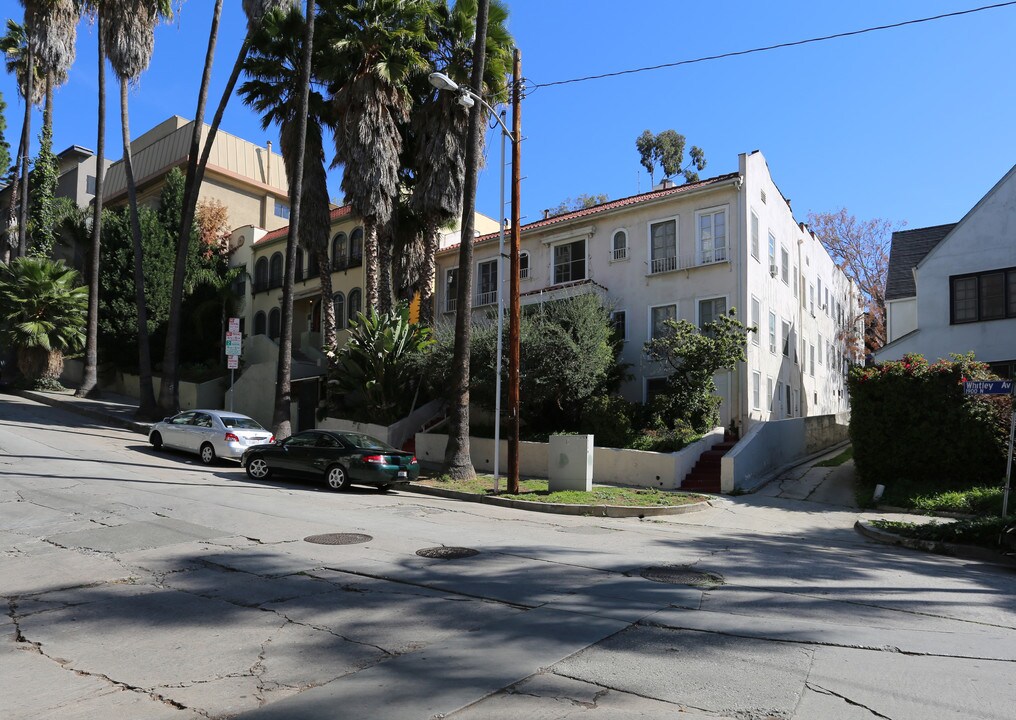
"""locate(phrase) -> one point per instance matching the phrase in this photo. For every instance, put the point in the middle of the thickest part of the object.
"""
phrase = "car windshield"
(240, 423)
(365, 442)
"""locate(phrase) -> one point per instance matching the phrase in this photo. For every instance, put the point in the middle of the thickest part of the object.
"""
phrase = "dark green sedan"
(338, 458)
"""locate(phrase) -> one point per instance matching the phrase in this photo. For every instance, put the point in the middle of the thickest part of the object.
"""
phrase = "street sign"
(987, 387)
(232, 362)
(234, 325)
(233, 343)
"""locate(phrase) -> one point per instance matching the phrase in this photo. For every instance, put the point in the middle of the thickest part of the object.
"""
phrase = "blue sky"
(912, 124)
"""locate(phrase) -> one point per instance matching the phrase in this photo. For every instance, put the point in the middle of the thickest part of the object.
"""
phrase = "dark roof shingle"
(909, 247)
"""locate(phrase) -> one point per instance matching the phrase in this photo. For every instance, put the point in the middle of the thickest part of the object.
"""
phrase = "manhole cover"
(339, 538)
(681, 575)
(447, 553)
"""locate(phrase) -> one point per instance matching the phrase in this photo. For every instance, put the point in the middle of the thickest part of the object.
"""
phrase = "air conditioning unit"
(773, 270)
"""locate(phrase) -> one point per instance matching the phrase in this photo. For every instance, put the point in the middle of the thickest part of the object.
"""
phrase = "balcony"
(486, 298)
(619, 254)
(340, 263)
(713, 255)
(661, 265)
(355, 261)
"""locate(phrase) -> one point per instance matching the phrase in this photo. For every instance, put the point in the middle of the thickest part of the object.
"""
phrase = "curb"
(967, 552)
(613, 511)
(54, 401)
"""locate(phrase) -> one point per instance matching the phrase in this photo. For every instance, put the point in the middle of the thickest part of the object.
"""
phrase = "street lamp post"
(466, 99)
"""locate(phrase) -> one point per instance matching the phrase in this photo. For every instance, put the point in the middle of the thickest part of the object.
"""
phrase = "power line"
(773, 47)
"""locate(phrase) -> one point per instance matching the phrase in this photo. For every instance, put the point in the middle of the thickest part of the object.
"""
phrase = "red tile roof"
(606, 207)
(282, 232)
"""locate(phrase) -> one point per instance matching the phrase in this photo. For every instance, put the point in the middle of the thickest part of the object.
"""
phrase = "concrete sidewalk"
(110, 408)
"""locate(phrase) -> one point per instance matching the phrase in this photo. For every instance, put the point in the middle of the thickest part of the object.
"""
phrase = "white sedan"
(209, 433)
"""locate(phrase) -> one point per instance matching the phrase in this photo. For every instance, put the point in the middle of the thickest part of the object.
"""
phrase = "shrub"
(910, 422)
(609, 419)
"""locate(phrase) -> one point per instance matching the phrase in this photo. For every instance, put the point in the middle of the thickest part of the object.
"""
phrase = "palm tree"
(273, 70)
(439, 125)
(380, 45)
(169, 394)
(129, 28)
(457, 458)
(41, 314)
(14, 45)
(52, 30)
(89, 379)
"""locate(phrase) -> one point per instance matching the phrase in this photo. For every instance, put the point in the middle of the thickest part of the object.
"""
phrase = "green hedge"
(911, 422)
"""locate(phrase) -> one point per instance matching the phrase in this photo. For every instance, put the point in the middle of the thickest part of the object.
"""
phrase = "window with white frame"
(754, 235)
(619, 322)
(709, 311)
(784, 264)
(772, 251)
(811, 348)
(772, 333)
(820, 345)
(811, 298)
(756, 319)
(619, 246)
(780, 410)
(769, 393)
(796, 282)
(786, 339)
(663, 246)
(570, 262)
(658, 317)
(819, 280)
(451, 289)
(789, 407)
(712, 235)
(756, 390)
(486, 282)
(825, 305)
(523, 266)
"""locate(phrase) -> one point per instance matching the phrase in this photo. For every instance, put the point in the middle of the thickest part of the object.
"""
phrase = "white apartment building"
(692, 252)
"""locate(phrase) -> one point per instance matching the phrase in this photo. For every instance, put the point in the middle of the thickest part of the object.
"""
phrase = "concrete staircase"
(705, 475)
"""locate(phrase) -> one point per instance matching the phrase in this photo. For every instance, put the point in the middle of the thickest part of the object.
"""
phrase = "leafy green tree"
(567, 356)
(582, 202)
(693, 357)
(43, 222)
(373, 376)
(42, 312)
(666, 151)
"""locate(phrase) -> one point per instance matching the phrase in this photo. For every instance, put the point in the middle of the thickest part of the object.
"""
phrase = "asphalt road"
(144, 585)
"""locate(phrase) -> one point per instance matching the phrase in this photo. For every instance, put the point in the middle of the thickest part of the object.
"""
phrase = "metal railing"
(664, 264)
(486, 298)
(619, 253)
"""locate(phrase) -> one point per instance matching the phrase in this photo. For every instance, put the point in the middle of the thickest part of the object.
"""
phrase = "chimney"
(546, 214)
(268, 164)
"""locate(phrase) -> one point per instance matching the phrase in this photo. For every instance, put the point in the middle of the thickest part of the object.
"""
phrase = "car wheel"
(156, 440)
(207, 454)
(337, 478)
(257, 469)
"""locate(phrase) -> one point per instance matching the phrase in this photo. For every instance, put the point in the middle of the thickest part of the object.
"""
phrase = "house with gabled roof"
(952, 288)
(694, 251)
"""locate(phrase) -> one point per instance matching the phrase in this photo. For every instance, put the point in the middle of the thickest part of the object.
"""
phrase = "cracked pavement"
(144, 585)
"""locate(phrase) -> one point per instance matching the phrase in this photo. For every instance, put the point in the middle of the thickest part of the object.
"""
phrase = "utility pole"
(514, 313)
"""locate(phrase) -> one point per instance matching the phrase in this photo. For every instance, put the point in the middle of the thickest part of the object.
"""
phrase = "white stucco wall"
(901, 316)
(982, 241)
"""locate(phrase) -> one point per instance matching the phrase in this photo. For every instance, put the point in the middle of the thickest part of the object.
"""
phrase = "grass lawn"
(839, 459)
(536, 491)
(981, 531)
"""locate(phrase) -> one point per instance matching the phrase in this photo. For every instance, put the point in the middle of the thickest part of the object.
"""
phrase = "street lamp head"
(442, 82)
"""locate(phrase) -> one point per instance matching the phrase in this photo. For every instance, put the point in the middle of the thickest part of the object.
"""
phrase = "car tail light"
(231, 437)
(374, 459)
(271, 439)
(413, 461)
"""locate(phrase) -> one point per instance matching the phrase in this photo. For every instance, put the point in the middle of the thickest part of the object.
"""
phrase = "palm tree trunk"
(428, 271)
(370, 264)
(169, 392)
(147, 408)
(11, 245)
(459, 465)
(327, 306)
(47, 113)
(386, 237)
(281, 419)
(26, 133)
(89, 380)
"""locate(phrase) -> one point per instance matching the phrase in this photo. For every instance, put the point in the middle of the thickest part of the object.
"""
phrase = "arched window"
(275, 271)
(259, 322)
(619, 246)
(274, 323)
(299, 264)
(356, 248)
(339, 303)
(312, 264)
(354, 303)
(523, 266)
(339, 259)
(261, 275)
